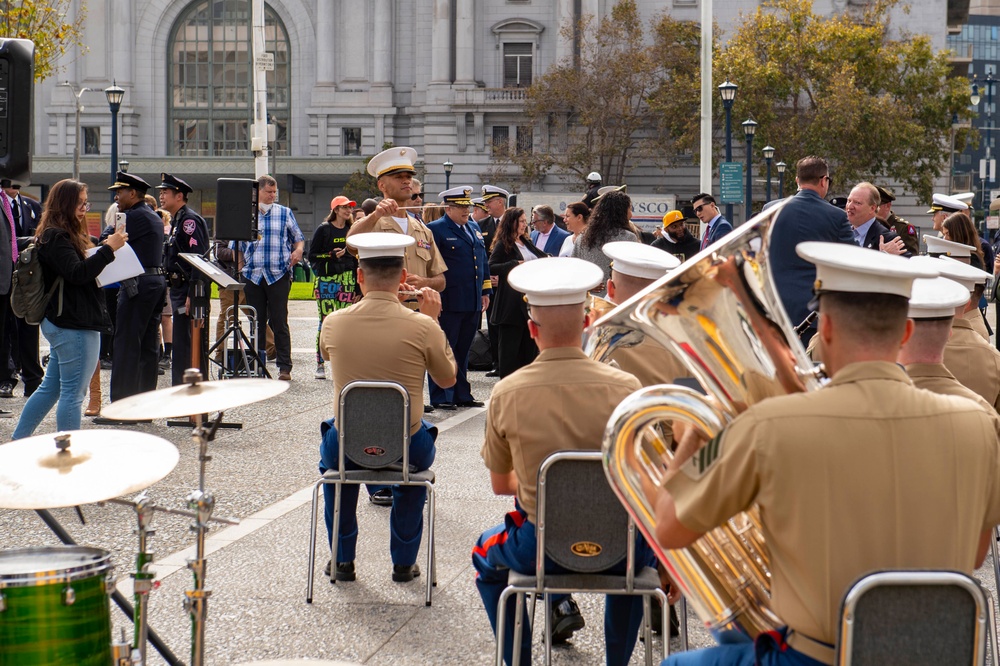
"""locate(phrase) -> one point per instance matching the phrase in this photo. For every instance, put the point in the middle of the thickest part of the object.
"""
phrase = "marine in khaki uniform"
(817, 465)
(561, 401)
(379, 339)
(894, 223)
(394, 171)
(932, 308)
(976, 279)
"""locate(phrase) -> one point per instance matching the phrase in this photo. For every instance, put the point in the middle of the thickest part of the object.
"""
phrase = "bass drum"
(54, 606)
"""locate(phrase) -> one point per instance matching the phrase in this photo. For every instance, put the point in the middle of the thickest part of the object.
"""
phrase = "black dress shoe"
(656, 620)
(471, 403)
(428, 409)
(28, 390)
(345, 572)
(6, 390)
(404, 574)
(446, 406)
(493, 373)
(381, 497)
(566, 619)
(6, 414)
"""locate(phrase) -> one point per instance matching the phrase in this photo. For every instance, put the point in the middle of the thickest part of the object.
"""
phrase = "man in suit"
(708, 213)
(807, 216)
(19, 347)
(466, 293)
(495, 200)
(8, 255)
(868, 232)
(546, 235)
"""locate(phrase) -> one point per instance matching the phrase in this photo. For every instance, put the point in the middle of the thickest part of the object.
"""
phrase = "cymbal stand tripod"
(144, 582)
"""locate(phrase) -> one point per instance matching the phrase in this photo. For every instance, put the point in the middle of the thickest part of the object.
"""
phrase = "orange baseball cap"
(342, 201)
(671, 217)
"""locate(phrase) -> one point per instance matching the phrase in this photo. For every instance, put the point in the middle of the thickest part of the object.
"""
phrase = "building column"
(564, 17)
(382, 44)
(353, 55)
(441, 42)
(322, 135)
(325, 27)
(465, 53)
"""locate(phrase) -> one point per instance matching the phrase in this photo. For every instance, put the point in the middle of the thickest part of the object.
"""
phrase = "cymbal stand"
(144, 581)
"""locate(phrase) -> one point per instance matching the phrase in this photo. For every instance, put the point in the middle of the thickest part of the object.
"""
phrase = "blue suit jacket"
(806, 217)
(468, 265)
(555, 242)
(721, 228)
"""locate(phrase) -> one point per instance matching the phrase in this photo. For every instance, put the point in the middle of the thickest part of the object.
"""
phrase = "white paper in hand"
(125, 265)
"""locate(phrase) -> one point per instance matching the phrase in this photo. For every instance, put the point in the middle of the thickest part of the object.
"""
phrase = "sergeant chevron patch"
(698, 464)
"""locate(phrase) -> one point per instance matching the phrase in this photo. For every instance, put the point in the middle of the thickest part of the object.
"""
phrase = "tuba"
(720, 315)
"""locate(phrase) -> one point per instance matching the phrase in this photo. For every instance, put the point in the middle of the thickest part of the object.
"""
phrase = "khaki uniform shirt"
(975, 317)
(974, 362)
(934, 377)
(423, 259)
(378, 339)
(560, 402)
(867, 473)
(650, 363)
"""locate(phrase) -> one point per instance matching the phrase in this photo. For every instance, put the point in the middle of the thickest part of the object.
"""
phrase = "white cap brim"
(849, 268)
(936, 298)
(639, 260)
(376, 245)
(555, 281)
(938, 245)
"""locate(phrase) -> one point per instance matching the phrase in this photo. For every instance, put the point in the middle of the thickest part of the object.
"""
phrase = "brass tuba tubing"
(720, 315)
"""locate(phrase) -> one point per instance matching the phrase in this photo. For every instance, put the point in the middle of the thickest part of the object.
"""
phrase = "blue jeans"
(406, 519)
(72, 359)
(769, 649)
(512, 545)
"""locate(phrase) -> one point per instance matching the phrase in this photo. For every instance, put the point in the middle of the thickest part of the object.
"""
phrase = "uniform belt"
(156, 270)
(811, 647)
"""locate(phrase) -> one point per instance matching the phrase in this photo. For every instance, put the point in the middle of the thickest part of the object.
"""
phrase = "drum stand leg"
(202, 503)
(142, 578)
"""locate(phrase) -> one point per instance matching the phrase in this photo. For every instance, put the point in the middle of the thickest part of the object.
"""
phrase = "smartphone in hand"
(119, 223)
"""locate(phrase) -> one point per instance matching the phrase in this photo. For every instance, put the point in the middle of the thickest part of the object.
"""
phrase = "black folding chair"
(374, 433)
(586, 543)
(915, 618)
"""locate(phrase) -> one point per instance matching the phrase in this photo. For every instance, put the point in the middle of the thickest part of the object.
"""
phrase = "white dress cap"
(380, 244)
(638, 260)
(946, 203)
(938, 245)
(555, 281)
(457, 196)
(962, 273)
(936, 298)
(491, 191)
(843, 267)
(393, 160)
(965, 197)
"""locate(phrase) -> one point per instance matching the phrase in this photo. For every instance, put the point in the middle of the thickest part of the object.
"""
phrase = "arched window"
(210, 78)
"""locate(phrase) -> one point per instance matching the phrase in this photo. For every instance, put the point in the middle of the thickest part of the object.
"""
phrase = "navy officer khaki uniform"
(188, 235)
(466, 282)
(134, 360)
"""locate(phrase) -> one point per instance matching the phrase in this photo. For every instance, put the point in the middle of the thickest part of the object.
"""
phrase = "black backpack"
(28, 298)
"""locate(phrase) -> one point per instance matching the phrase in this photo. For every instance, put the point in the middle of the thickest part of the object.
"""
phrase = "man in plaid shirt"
(266, 266)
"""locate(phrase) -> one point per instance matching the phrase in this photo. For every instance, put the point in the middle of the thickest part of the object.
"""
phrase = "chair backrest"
(913, 618)
(581, 524)
(374, 426)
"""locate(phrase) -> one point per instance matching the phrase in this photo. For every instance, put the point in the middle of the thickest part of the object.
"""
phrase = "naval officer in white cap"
(974, 280)
(379, 339)
(560, 401)
(393, 170)
(942, 206)
(817, 463)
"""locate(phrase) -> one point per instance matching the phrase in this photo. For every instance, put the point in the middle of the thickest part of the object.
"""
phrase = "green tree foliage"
(49, 24)
(839, 87)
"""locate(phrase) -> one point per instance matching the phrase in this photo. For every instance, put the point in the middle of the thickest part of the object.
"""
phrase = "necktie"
(704, 241)
(857, 237)
(15, 207)
(10, 218)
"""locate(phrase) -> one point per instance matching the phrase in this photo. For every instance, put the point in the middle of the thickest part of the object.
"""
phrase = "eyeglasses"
(414, 197)
(85, 206)
(698, 209)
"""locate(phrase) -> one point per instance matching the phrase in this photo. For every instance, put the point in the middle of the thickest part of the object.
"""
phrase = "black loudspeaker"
(17, 82)
(236, 209)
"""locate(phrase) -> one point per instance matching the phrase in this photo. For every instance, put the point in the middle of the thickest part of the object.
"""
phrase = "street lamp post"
(781, 166)
(123, 166)
(749, 129)
(76, 137)
(728, 92)
(115, 96)
(768, 156)
(448, 166)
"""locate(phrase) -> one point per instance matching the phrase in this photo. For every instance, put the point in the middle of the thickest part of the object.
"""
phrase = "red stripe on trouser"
(516, 517)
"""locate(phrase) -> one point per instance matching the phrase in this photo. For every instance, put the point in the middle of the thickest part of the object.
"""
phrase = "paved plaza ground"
(263, 475)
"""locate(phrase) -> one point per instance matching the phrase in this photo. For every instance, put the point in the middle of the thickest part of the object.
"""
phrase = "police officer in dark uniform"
(894, 223)
(466, 294)
(140, 299)
(189, 235)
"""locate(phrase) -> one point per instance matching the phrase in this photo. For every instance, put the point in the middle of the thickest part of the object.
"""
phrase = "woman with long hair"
(512, 246)
(609, 221)
(575, 217)
(335, 284)
(958, 228)
(75, 317)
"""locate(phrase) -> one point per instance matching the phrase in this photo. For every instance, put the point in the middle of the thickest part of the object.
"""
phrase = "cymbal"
(96, 465)
(188, 399)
